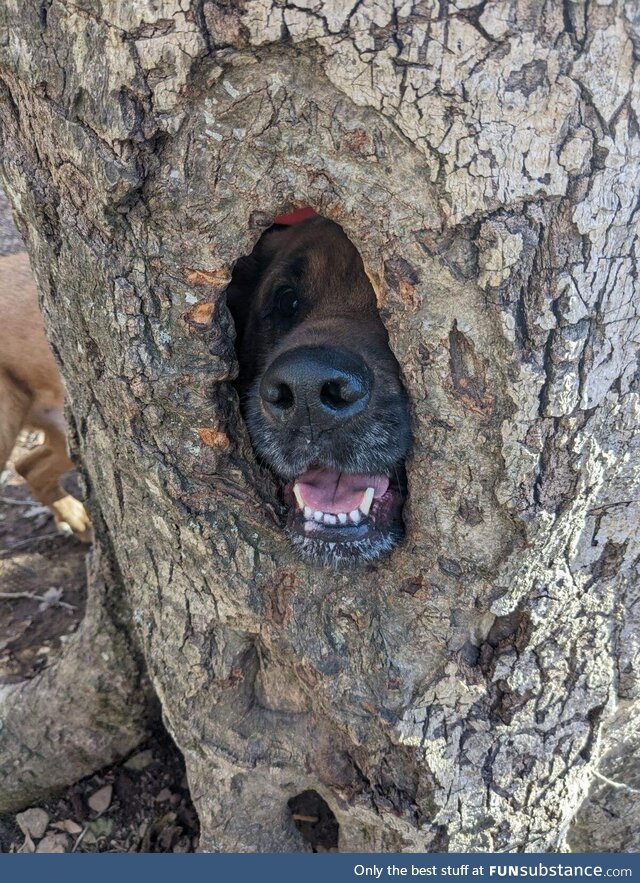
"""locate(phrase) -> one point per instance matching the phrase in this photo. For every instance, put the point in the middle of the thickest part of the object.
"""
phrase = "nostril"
(341, 393)
(278, 394)
(331, 395)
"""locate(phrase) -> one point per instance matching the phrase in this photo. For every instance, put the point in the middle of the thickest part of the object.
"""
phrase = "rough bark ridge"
(485, 159)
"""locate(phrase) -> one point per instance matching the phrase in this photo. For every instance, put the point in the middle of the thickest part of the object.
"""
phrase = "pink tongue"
(326, 490)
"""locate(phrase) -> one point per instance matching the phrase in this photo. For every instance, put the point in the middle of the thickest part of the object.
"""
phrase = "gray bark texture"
(484, 157)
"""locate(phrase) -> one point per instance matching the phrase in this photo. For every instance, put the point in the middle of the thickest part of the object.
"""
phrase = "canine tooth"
(330, 519)
(331, 546)
(298, 495)
(318, 516)
(355, 516)
(367, 500)
(342, 517)
(308, 513)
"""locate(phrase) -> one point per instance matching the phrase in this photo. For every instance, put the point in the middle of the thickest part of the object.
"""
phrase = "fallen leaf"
(100, 800)
(77, 805)
(97, 829)
(33, 822)
(163, 795)
(28, 845)
(53, 843)
(140, 761)
(50, 598)
(67, 825)
(168, 836)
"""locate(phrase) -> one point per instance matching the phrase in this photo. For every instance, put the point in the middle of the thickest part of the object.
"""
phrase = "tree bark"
(84, 712)
(484, 158)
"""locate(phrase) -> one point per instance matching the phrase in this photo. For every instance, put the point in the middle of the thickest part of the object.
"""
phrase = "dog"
(321, 392)
(32, 397)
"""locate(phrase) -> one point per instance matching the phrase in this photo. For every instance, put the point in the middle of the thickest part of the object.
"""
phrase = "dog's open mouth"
(340, 516)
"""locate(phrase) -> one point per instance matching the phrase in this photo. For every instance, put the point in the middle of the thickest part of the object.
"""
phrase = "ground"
(42, 579)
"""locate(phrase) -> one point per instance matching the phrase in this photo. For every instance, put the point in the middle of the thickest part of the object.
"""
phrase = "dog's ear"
(247, 275)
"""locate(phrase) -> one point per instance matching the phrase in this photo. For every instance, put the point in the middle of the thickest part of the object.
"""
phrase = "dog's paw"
(71, 518)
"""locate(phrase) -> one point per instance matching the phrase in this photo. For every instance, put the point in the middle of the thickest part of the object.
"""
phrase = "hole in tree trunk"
(321, 390)
(312, 816)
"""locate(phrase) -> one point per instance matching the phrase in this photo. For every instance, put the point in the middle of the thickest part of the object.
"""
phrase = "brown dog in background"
(32, 397)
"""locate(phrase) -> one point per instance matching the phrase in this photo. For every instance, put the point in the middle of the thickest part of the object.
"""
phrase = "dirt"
(149, 810)
(42, 578)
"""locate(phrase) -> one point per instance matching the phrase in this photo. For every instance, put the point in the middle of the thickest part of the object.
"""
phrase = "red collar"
(300, 214)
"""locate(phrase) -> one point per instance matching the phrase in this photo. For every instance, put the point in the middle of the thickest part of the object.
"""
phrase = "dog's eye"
(286, 303)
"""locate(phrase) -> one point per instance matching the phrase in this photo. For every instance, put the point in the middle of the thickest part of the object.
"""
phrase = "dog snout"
(322, 385)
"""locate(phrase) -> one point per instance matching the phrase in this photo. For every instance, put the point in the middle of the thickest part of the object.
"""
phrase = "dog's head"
(321, 390)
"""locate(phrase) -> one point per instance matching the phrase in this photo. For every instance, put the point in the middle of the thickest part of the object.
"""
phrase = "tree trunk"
(485, 160)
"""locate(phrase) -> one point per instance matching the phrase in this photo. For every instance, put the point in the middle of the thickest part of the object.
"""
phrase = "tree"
(484, 158)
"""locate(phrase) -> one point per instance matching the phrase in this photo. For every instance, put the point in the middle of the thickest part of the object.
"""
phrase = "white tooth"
(318, 516)
(308, 513)
(331, 545)
(342, 517)
(355, 516)
(298, 495)
(367, 500)
(330, 519)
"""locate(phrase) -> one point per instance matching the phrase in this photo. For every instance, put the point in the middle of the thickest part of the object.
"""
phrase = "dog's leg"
(43, 468)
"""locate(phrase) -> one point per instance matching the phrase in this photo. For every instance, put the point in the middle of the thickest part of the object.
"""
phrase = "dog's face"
(321, 391)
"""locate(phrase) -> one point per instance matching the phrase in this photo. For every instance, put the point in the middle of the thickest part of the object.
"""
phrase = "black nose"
(320, 384)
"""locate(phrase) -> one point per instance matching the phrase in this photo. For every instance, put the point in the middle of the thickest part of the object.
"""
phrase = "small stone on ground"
(33, 822)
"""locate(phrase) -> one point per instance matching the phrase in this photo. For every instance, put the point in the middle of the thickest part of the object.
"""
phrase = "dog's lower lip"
(339, 534)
